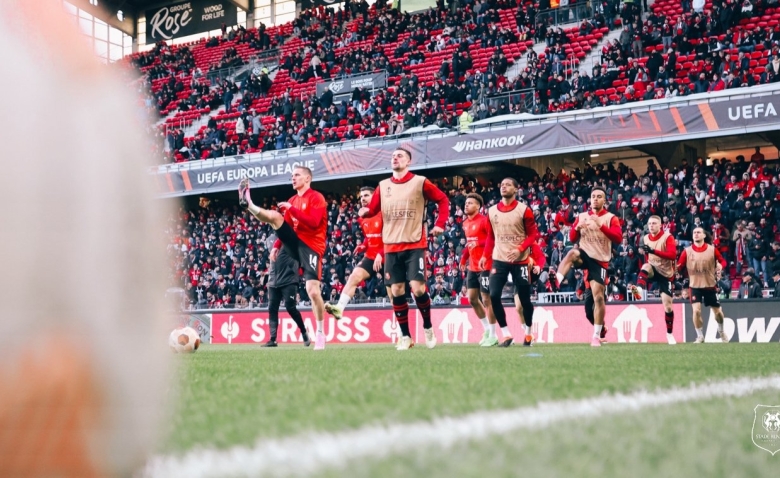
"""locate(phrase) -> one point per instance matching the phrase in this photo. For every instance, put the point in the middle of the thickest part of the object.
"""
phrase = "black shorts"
(666, 286)
(478, 280)
(709, 297)
(280, 295)
(500, 274)
(405, 266)
(596, 272)
(310, 261)
(367, 265)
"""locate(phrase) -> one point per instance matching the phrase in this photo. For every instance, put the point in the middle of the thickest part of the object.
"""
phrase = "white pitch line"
(311, 452)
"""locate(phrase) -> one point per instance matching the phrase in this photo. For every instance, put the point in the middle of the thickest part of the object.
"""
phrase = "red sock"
(424, 305)
(669, 317)
(401, 311)
(641, 280)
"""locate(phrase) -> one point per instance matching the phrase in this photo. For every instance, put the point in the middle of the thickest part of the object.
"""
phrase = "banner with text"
(345, 86)
(188, 18)
(627, 323)
(531, 140)
(200, 322)
(744, 321)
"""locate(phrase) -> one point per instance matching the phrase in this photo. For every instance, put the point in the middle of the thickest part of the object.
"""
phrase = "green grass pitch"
(236, 395)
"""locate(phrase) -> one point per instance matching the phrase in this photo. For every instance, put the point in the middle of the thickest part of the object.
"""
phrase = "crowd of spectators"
(219, 255)
(657, 54)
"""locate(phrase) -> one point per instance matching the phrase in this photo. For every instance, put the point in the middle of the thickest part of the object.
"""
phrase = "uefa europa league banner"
(188, 18)
(616, 127)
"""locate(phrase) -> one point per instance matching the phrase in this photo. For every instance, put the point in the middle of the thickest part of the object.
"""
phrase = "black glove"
(647, 249)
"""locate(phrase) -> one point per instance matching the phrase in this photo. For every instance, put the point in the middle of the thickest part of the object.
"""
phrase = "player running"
(512, 232)
(372, 260)
(302, 228)
(283, 287)
(536, 263)
(476, 227)
(661, 251)
(586, 295)
(595, 230)
(704, 264)
(402, 199)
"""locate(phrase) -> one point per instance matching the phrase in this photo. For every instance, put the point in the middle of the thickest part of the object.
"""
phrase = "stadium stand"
(671, 52)
(436, 71)
(219, 255)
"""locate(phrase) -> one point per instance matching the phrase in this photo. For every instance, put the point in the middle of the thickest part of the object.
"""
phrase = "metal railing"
(525, 97)
(565, 14)
(256, 60)
(557, 297)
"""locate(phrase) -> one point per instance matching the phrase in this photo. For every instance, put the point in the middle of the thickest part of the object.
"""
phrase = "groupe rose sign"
(168, 21)
(188, 18)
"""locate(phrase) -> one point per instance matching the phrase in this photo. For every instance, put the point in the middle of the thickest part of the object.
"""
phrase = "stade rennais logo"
(479, 144)
(766, 428)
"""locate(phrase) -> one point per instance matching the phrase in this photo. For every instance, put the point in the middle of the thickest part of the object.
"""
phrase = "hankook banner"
(188, 18)
(345, 86)
(644, 127)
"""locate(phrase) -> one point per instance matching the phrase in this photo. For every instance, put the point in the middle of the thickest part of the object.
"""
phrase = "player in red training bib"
(660, 249)
(704, 265)
(476, 228)
(373, 260)
(596, 230)
(402, 201)
(303, 231)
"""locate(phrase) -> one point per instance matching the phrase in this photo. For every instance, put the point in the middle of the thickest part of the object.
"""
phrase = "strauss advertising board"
(628, 323)
(188, 18)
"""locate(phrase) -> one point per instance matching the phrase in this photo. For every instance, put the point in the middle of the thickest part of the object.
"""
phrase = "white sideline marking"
(310, 452)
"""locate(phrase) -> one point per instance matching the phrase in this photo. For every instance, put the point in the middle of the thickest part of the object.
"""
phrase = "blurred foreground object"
(83, 356)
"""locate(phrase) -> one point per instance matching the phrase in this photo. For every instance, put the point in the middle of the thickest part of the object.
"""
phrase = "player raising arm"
(704, 265)
(302, 228)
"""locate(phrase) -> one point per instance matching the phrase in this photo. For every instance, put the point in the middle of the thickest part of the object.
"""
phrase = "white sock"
(559, 276)
(527, 329)
(320, 326)
(699, 332)
(597, 330)
(720, 328)
(344, 300)
(485, 323)
(492, 330)
(505, 332)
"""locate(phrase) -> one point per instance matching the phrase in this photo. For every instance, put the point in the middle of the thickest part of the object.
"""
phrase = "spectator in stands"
(749, 289)
(758, 156)
(776, 279)
(758, 255)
